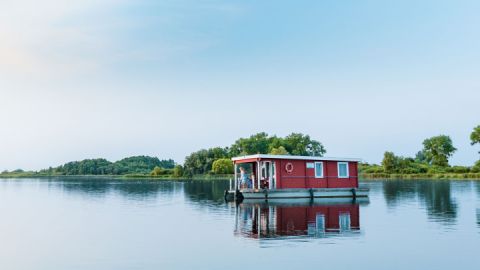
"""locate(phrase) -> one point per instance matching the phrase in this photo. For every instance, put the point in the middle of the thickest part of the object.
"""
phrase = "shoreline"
(363, 176)
(119, 177)
(421, 176)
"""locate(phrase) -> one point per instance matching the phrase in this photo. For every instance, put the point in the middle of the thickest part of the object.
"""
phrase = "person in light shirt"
(245, 181)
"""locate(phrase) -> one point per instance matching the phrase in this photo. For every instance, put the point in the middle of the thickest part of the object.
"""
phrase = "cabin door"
(268, 174)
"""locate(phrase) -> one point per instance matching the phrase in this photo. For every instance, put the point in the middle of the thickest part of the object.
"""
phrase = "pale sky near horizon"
(115, 78)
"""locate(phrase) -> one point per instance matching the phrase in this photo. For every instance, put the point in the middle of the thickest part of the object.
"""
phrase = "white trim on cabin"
(338, 170)
(264, 156)
(259, 176)
(321, 172)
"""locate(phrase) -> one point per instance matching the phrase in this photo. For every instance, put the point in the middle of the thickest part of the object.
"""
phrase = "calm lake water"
(111, 224)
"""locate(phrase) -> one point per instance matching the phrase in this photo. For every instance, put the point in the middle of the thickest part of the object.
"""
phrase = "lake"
(86, 223)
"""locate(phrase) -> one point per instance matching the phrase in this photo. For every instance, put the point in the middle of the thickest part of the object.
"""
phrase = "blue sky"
(113, 78)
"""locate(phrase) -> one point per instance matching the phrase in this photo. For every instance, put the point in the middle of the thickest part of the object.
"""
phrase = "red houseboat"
(281, 176)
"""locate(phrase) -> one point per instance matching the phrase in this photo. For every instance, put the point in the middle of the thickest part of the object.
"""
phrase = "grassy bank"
(366, 176)
(453, 176)
(27, 174)
(171, 177)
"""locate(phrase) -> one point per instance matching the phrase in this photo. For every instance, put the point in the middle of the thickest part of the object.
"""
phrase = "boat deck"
(311, 193)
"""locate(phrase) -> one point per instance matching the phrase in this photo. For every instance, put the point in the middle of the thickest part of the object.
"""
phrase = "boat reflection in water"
(298, 218)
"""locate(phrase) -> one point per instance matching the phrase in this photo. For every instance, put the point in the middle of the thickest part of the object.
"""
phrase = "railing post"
(259, 174)
(235, 176)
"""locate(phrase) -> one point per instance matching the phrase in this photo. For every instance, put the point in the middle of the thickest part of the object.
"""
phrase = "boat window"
(344, 222)
(320, 223)
(318, 169)
(265, 170)
(343, 170)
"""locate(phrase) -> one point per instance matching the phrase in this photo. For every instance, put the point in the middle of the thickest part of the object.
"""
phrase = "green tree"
(475, 136)
(476, 167)
(389, 162)
(420, 157)
(475, 139)
(200, 162)
(222, 166)
(136, 164)
(156, 171)
(275, 143)
(178, 171)
(438, 149)
(256, 144)
(298, 144)
(279, 151)
(167, 163)
(261, 143)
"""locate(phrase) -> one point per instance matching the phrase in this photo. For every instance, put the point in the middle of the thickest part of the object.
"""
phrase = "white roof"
(264, 156)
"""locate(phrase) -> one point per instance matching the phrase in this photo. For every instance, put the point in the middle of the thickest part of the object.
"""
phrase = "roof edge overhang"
(265, 156)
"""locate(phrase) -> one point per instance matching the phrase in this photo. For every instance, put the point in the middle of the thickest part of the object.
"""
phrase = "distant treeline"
(213, 161)
(101, 166)
(429, 162)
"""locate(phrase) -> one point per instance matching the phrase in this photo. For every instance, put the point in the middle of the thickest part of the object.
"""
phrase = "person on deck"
(244, 180)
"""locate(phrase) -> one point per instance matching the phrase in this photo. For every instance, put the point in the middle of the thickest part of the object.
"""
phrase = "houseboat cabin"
(281, 176)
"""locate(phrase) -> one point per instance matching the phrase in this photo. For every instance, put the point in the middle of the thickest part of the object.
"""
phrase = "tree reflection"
(434, 195)
(206, 190)
(142, 189)
(438, 200)
(99, 187)
(478, 217)
(477, 187)
(397, 191)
